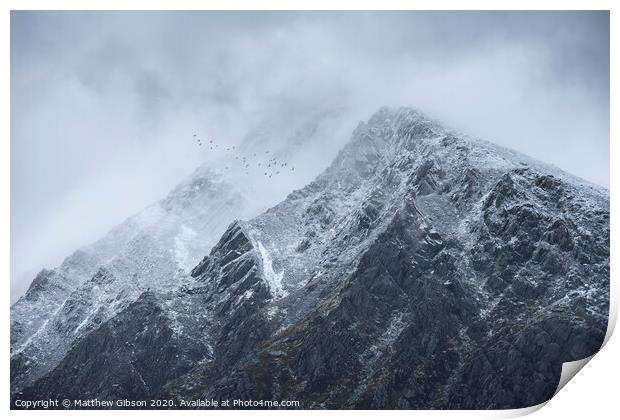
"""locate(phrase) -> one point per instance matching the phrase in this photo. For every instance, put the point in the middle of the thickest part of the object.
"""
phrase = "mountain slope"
(156, 249)
(422, 269)
(150, 251)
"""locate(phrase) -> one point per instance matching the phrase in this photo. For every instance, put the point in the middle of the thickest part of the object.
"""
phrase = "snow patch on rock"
(273, 279)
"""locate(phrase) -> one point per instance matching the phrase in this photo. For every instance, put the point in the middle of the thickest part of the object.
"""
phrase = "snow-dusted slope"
(153, 250)
(156, 248)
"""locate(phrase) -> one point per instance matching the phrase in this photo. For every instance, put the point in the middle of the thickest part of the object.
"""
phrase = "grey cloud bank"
(103, 104)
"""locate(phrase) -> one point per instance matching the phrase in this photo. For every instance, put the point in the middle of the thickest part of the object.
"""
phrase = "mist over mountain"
(421, 269)
(104, 104)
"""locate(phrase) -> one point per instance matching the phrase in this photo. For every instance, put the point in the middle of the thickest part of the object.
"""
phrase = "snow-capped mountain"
(422, 269)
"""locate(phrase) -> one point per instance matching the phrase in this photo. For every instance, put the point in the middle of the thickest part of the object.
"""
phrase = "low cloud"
(104, 104)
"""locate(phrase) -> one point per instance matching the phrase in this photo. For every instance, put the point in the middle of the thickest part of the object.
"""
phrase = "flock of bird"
(269, 167)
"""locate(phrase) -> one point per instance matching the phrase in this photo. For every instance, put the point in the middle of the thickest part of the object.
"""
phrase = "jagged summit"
(397, 161)
(421, 269)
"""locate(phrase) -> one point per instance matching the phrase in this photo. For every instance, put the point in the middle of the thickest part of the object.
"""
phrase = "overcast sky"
(102, 103)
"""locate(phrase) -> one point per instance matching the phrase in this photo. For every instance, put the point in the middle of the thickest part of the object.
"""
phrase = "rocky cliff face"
(422, 269)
